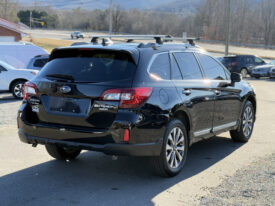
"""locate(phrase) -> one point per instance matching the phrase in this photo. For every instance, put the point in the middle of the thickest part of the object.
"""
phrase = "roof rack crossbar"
(158, 38)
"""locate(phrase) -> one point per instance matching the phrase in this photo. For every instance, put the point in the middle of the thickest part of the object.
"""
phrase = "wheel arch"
(252, 99)
(15, 80)
(185, 119)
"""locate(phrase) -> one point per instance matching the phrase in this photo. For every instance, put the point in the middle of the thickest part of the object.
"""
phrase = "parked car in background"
(152, 100)
(242, 64)
(262, 71)
(79, 43)
(19, 54)
(77, 35)
(12, 79)
(38, 62)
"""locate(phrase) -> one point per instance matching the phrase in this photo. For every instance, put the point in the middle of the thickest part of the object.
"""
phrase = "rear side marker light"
(126, 137)
(128, 98)
(30, 89)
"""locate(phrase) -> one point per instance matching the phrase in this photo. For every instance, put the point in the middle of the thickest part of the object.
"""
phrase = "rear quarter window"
(160, 66)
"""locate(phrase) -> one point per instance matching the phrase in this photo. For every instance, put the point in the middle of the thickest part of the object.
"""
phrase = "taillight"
(233, 64)
(129, 98)
(30, 89)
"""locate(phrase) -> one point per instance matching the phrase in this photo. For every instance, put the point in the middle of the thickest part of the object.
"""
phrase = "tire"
(244, 72)
(247, 121)
(169, 167)
(61, 153)
(257, 77)
(17, 89)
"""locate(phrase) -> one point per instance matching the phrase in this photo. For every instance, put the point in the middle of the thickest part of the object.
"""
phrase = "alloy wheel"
(244, 73)
(175, 148)
(248, 121)
(18, 90)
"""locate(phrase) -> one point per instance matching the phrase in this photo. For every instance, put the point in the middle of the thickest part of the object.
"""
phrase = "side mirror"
(235, 77)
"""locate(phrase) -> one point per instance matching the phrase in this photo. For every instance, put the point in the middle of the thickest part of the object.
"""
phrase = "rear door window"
(161, 66)
(248, 60)
(91, 65)
(188, 65)
(212, 69)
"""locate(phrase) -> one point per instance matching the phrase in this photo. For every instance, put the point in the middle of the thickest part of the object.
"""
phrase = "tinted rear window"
(40, 62)
(91, 66)
(229, 59)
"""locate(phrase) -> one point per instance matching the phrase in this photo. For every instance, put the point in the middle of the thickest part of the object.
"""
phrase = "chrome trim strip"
(202, 132)
(224, 126)
(215, 129)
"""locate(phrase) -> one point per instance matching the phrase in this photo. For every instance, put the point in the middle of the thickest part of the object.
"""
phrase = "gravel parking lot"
(218, 171)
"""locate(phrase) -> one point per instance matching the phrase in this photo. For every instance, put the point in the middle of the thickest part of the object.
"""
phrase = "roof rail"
(160, 39)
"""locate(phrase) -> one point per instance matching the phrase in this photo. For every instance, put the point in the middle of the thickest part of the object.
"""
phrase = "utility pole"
(30, 19)
(228, 22)
(110, 18)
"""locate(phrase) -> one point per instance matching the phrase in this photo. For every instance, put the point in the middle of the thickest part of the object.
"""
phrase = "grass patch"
(49, 44)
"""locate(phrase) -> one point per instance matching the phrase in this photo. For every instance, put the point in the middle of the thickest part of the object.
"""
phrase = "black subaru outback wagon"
(151, 100)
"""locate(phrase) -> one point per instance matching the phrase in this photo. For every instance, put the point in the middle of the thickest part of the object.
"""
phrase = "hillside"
(159, 5)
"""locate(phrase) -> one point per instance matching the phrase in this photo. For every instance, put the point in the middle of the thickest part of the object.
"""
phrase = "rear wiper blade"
(61, 76)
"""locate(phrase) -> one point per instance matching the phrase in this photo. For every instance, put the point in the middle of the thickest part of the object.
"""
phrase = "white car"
(13, 80)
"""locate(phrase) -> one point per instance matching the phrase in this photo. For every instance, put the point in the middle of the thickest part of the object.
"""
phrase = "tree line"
(252, 21)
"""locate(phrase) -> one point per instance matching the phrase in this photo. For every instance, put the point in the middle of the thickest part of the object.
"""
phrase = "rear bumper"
(143, 141)
(146, 149)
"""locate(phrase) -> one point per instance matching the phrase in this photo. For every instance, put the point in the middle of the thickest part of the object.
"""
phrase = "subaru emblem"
(65, 89)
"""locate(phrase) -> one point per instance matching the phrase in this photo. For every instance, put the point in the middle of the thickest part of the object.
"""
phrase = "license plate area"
(66, 106)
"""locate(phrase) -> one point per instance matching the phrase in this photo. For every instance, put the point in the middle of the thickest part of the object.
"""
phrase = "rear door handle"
(217, 92)
(187, 92)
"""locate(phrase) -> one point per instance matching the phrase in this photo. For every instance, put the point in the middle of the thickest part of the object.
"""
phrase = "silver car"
(262, 71)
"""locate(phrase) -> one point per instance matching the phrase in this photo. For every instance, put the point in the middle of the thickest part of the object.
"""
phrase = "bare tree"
(268, 19)
(9, 9)
(117, 17)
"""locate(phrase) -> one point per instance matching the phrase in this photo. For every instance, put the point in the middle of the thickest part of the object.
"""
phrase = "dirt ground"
(254, 185)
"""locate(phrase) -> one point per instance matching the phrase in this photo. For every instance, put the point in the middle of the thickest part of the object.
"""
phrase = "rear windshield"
(90, 65)
(229, 59)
